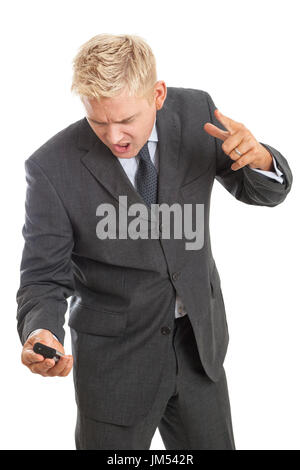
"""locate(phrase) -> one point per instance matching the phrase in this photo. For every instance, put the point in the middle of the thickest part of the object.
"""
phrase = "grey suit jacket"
(123, 291)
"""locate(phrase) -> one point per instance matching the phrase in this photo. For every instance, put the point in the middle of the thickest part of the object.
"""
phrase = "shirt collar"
(153, 137)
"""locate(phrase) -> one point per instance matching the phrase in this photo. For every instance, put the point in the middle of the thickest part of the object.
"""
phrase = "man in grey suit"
(147, 316)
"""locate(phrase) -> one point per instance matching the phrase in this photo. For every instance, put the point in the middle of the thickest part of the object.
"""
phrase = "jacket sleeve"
(46, 278)
(246, 185)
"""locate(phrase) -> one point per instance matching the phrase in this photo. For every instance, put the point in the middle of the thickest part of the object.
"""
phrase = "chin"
(123, 156)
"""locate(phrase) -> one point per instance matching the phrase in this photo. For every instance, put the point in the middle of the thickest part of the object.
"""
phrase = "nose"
(114, 136)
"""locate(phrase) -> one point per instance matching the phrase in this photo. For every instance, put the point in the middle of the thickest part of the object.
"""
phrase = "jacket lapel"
(169, 138)
(107, 169)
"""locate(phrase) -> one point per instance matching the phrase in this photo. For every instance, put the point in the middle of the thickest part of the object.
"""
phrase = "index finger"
(228, 123)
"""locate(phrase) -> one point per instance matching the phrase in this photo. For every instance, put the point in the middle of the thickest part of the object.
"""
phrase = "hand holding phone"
(47, 352)
(43, 354)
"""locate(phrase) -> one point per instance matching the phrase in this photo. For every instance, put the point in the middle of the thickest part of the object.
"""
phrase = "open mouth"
(122, 148)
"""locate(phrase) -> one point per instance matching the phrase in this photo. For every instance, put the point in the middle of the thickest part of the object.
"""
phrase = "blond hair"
(108, 63)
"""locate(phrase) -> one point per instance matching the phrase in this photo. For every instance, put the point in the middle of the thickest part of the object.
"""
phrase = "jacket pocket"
(100, 322)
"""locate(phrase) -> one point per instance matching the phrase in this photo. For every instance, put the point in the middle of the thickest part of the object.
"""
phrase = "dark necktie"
(146, 177)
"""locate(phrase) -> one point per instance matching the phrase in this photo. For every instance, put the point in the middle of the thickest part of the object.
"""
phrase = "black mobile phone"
(47, 352)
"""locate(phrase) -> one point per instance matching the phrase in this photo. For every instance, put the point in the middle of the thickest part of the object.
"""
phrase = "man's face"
(138, 118)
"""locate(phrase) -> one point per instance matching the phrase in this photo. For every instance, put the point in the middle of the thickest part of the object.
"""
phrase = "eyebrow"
(119, 122)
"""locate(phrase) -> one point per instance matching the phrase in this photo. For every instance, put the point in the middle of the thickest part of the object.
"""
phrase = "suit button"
(175, 276)
(165, 330)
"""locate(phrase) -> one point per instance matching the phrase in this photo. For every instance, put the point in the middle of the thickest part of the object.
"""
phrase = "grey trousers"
(190, 411)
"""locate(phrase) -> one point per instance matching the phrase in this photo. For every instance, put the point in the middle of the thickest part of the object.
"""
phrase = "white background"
(246, 56)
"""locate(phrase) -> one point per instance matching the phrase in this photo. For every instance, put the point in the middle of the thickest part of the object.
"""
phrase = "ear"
(160, 90)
